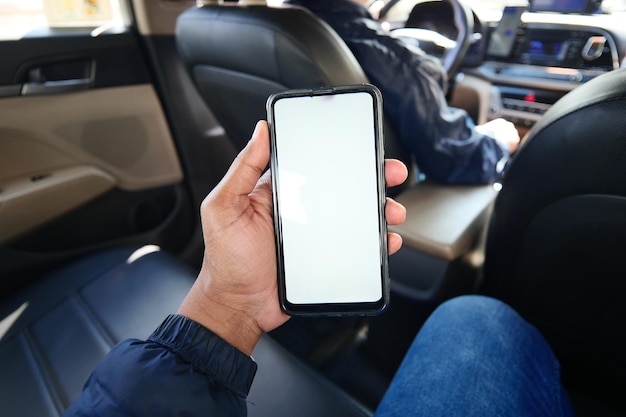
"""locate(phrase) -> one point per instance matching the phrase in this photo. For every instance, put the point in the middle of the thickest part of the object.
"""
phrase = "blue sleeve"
(182, 369)
(445, 145)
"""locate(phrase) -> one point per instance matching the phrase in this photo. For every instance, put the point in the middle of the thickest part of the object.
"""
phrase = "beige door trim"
(121, 131)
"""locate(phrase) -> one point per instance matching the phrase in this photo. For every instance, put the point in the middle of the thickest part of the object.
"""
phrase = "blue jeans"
(475, 356)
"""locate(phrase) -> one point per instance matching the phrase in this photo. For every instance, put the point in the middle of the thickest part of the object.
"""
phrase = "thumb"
(248, 166)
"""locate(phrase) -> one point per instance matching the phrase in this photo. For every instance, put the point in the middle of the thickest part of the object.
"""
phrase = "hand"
(236, 294)
(503, 132)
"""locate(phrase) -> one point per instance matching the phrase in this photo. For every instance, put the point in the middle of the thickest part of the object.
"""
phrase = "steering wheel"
(450, 47)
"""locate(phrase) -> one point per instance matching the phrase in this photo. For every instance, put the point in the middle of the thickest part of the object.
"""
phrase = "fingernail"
(256, 129)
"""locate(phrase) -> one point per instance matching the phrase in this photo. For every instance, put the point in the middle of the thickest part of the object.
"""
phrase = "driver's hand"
(236, 293)
(503, 132)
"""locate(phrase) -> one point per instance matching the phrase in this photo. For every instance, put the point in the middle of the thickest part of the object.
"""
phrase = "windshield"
(487, 10)
(490, 6)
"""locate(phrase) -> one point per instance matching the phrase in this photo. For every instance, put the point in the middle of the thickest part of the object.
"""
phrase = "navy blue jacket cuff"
(207, 352)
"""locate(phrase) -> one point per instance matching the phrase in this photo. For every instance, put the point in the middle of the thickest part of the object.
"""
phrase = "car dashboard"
(548, 55)
(551, 54)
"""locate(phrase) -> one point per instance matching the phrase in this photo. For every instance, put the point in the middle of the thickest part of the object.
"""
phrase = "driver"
(447, 146)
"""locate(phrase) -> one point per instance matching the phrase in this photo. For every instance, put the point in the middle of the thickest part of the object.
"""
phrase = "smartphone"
(503, 37)
(328, 185)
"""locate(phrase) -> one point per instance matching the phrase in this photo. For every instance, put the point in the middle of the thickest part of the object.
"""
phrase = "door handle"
(57, 77)
(55, 87)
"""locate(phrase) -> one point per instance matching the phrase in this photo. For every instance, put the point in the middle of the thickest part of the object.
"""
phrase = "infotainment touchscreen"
(503, 37)
(546, 50)
(563, 6)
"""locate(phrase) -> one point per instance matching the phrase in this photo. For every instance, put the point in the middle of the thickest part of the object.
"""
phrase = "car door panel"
(116, 57)
(22, 199)
(86, 154)
(121, 130)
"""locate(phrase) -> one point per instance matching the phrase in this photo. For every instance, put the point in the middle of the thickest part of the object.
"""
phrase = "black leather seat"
(54, 333)
(557, 238)
(238, 55)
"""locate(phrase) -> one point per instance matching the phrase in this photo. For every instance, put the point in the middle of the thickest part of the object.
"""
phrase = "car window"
(19, 17)
(487, 10)
(614, 6)
(490, 10)
(496, 6)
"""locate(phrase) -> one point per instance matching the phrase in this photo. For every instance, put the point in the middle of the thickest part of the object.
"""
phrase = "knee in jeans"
(477, 310)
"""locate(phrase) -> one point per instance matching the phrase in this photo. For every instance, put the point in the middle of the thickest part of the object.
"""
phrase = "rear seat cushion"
(54, 333)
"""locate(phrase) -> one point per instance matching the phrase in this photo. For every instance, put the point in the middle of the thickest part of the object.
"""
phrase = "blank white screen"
(327, 182)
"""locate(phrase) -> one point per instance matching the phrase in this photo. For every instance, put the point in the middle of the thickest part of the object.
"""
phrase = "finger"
(395, 172)
(248, 166)
(266, 179)
(394, 243)
(395, 213)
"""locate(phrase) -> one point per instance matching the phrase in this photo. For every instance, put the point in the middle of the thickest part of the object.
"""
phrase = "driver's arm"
(444, 140)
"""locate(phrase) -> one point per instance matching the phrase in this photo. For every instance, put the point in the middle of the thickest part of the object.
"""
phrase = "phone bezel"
(332, 309)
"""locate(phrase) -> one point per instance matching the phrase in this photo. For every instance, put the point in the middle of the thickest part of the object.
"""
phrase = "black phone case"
(332, 309)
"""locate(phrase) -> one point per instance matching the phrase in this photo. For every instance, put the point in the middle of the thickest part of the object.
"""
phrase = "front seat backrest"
(556, 245)
(238, 55)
